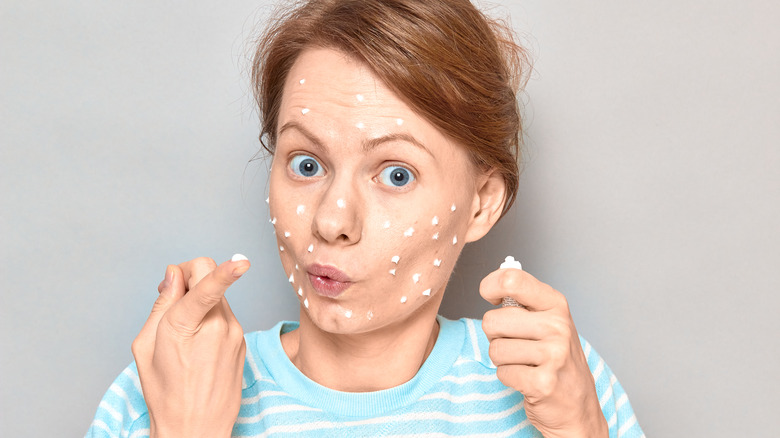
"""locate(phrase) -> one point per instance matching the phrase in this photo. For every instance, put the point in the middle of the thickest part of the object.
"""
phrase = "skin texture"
(349, 215)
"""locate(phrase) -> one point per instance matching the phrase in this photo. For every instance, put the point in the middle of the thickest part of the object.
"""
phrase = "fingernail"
(168, 277)
(238, 258)
(239, 271)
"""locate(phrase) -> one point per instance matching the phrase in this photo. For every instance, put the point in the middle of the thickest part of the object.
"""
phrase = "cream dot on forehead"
(304, 111)
(302, 81)
(340, 203)
(386, 224)
(360, 125)
(399, 122)
(409, 232)
(300, 209)
(359, 97)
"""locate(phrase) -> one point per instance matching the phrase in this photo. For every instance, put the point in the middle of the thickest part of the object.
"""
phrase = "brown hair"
(453, 65)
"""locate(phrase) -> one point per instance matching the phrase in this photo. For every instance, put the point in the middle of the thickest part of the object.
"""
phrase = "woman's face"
(371, 203)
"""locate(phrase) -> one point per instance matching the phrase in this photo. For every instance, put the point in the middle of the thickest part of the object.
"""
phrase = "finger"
(522, 287)
(533, 382)
(504, 351)
(171, 289)
(519, 323)
(191, 309)
(195, 269)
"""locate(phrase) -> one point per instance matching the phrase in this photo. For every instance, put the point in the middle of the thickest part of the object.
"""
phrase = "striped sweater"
(455, 393)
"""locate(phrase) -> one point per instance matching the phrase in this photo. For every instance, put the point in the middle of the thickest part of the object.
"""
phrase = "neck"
(380, 359)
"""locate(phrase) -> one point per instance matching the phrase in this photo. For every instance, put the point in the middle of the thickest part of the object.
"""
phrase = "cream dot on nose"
(340, 203)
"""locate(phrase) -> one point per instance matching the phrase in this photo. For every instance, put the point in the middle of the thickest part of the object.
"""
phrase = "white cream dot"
(435, 221)
(302, 81)
(292, 278)
(427, 292)
(300, 209)
(341, 203)
(304, 111)
(436, 236)
(238, 258)
(296, 266)
(310, 248)
(416, 277)
(273, 221)
(395, 259)
(453, 207)
(348, 314)
(281, 248)
(359, 97)
(306, 303)
(392, 272)
(369, 315)
(386, 224)
(360, 125)
(267, 200)
(399, 122)
(403, 299)
(286, 234)
(454, 240)
(437, 262)
(409, 232)
(300, 292)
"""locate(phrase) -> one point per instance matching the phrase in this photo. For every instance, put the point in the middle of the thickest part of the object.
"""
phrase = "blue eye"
(396, 176)
(305, 165)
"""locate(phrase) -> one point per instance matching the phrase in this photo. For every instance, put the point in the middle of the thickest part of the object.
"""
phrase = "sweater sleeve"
(122, 412)
(614, 402)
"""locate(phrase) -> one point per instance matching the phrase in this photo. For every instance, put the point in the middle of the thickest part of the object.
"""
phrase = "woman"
(393, 126)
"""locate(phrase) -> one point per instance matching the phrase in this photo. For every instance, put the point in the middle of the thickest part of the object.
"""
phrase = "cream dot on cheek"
(286, 234)
(454, 240)
(435, 221)
(392, 272)
(291, 279)
(453, 208)
(300, 292)
(409, 232)
(273, 221)
(436, 236)
(403, 299)
(416, 278)
(437, 262)
(306, 303)
(348, 314)
(281, 248)
(310, 248)
(427, 292)
(369, 315)
(395, 259)
(386, 225)
(300, 209)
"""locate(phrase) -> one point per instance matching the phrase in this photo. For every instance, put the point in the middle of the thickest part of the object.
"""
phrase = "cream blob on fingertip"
(238, 258)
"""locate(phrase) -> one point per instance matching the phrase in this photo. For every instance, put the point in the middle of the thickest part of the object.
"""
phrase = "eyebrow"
(367, 145)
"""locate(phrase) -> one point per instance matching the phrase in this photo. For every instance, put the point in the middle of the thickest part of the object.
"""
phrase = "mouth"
(328, 281)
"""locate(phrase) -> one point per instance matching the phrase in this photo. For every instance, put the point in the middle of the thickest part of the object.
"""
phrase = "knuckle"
(557, 353)
(546, 384)
(489, 323)
(204, 263)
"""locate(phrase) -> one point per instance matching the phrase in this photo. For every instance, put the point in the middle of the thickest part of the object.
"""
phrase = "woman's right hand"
(190, 353)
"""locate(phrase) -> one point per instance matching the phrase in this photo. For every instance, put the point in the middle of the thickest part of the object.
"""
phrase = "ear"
(488, 203)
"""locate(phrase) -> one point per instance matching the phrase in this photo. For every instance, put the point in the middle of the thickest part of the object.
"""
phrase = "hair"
(452, 64)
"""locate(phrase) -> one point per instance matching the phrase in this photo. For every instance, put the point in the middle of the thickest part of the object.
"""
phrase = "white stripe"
(111, 411)
(253, 366)
(274, 410)
(598, 370)
(606, 397)
(612, 421)
(474, 342)
(140, 433)
(475, 396)
(101, 425)
(462, 360)
(116, 389)
(511, 431)
(255, 398)
(412, 416)
(627, 425)
(134, 378)
(621, 401)
(470, 378)
(587, 350)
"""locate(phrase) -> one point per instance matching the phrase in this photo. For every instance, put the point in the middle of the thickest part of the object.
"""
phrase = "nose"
(339, 218)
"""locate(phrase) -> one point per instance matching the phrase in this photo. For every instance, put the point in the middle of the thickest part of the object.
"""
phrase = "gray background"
(650, 195)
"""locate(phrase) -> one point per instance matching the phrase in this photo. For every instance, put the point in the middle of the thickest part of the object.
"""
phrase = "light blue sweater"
(455, 393)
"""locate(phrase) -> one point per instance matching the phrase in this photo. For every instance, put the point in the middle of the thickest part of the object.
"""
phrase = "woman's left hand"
(538, 352)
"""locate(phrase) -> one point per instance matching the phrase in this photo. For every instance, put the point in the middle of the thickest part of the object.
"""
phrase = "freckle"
(395, 259)
(437, 262)
(359, 97)
(300, 209)
(399, 122)
(341, 203)
(427, 292)
(281, 248)
(306, 303)
(291, 279)
(369, 315)
(273, 221)
(435, 221)
(302, 81)
(286, 234)
(310, 248)
(416, 277)
(409, 232)
(386, 224)
(392, 272)
(360, 125)
(403, 299)
(348, 314)
(454, 240)
(436, 236)
(300, 292)
(304, 111)
(453, 207)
